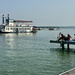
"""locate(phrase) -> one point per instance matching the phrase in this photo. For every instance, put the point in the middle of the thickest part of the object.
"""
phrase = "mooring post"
(67, 46)
(62, 45)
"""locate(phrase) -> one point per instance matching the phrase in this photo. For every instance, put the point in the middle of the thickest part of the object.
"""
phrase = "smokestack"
(2, 19)
(7, 20)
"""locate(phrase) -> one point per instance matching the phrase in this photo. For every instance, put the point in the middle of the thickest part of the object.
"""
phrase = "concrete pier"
(69, 72)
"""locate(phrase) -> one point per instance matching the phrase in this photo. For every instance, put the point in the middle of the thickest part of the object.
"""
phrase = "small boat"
(17, 26)
(51, 28)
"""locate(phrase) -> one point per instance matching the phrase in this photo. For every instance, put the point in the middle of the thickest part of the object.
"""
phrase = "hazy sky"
(41, 12)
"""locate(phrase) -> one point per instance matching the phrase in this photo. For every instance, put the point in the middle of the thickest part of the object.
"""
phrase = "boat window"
(7, 28)
(27, 28)
(14, 28)
(11, 28)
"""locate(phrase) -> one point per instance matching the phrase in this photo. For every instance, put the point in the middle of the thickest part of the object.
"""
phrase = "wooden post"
(67, 46)
(62, 44)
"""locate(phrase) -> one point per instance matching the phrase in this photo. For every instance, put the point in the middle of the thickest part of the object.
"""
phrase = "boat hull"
(8, 29)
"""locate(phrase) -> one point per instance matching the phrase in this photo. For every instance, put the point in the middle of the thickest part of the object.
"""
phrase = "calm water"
(32, 54)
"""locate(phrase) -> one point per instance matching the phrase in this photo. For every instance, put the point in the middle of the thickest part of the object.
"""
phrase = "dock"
(69, 72)
(63, 43)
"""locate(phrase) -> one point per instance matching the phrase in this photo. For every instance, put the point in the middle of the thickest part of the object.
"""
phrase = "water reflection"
(10, 42)
(15, 41)
(26, 34)
(16, 34)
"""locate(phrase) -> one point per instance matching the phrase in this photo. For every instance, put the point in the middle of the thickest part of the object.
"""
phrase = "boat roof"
(22, 21)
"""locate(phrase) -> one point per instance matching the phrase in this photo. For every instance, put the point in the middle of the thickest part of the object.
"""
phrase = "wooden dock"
(69, 72)
(63, 42)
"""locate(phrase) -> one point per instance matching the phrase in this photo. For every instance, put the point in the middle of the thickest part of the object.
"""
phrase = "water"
(33, 54)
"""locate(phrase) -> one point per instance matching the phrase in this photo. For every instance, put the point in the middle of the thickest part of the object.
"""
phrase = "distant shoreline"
(55, 26)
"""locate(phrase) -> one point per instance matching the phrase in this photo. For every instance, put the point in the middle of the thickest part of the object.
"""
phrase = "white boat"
(17, 26)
